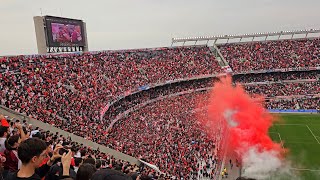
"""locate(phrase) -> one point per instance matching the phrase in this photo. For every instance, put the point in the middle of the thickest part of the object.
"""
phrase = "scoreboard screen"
(64, 32)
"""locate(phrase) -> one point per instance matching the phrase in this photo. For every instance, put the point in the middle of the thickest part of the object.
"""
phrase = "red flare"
(243, 121)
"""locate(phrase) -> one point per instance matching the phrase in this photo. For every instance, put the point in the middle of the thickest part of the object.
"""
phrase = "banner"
(293, 110)
(142, 88)
(279, 70)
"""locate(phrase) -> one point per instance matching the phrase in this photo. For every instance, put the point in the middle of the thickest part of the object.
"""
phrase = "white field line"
(313, 134)
(279, 137)
(303, 169)
(300, 169)
(289, 124)
(280, 140)
(298, 142)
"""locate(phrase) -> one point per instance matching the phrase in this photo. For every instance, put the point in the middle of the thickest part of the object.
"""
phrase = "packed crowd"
(24, 148)
(153, 93)
(166, 134)
(284, 89)
(293, 103)
(69, 91)
(268, 90)
(244, 57)
(275, 77)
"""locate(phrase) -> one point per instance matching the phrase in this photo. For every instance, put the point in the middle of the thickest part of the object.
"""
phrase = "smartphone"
(63, 150)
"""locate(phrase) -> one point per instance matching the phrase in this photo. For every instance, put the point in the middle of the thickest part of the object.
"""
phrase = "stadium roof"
(240, 37)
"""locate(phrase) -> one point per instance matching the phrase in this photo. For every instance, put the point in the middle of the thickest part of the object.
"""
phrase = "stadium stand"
(69, 91)
(166, 134)
(294, 103)
(244, 57)
(81, 154)
(285, 89)
(276, 76)
(162, 90)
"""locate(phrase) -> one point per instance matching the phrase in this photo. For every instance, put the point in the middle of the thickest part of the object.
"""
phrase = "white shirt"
(78, 155)
(2, 144)
(34, 132)
(75, 169)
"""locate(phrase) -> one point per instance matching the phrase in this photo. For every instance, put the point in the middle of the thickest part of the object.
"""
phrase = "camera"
(63, 150)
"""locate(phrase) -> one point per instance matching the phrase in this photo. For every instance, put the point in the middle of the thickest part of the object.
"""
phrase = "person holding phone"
(56, 171)
(32, 152)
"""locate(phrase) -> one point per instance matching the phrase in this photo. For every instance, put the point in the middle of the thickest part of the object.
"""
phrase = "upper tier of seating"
(243, 57)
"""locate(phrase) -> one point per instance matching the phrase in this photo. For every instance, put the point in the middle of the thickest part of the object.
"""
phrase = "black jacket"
(55, 172)
(40, 173)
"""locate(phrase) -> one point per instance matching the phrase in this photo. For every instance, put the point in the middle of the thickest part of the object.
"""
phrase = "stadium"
(146, 113)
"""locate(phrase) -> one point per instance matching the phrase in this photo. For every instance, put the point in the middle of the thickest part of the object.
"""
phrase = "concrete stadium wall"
(40, 34)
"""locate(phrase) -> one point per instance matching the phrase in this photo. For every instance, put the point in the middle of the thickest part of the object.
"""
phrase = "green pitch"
(300, 133)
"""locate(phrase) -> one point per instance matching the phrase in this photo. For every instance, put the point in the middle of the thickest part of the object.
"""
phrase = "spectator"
(56, 172)
(78, 161)
(108, 174)
(98, 164)
(2, 161)
(89, 161)
(12, 160)
(85, 171)
(4, 133)
(31, 152)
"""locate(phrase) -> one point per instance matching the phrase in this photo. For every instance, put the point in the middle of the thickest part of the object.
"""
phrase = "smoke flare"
(243, 123)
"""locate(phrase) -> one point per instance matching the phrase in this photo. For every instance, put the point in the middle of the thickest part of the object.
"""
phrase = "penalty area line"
(313, 134)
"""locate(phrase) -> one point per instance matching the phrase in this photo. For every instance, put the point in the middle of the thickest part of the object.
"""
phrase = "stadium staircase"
(216, 52)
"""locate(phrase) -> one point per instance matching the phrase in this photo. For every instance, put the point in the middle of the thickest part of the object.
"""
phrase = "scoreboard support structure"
(42, 36)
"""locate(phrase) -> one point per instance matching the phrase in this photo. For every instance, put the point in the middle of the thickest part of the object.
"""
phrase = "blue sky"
(124, 24)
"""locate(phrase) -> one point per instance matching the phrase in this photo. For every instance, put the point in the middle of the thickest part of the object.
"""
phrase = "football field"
(300, 134)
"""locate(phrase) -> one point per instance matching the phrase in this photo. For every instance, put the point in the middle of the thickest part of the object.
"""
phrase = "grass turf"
(300, 133)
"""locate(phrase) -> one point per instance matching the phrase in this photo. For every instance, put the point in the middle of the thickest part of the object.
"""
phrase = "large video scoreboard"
(58, 34)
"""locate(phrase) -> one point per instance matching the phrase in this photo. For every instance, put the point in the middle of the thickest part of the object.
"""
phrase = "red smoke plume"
(243, 121)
